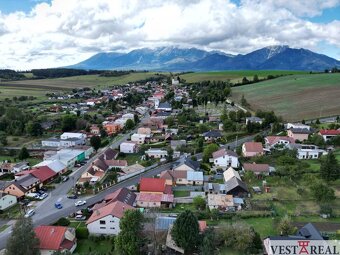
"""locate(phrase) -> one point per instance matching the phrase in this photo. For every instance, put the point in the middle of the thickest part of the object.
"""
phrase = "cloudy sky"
(52, 33)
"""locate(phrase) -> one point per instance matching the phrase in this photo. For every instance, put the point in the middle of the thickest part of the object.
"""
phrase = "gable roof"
(157, 198)
(329, 132)
(192, 163)
(230, 173)
(100, 163)
(234, 183)
(152, 185)
(123, 195)
(173, 175)
(194, 176)
(253, 147)
(55, 165)
(109, 154)
(25, 181)
(116, 209)
(50, 237)
(300, 130)
(116, 162)
(43, 173)
(223, 152)
(256, 167)
(212, 133)
(164, 105)
(274, 139)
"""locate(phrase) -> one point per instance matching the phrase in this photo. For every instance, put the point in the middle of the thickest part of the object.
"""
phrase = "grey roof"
(194, 176)
(216, 187)
(52, 139)
(213, 133)
(192, 163)
(255, 119)
(163, 223)
(163, 114)
(3, 185)
(300, 130)
(26, 180)
(234, 183)
(306, 232)
(164, 105)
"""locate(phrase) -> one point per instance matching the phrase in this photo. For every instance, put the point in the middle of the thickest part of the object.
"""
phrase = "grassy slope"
(295, 97)
(234, 76)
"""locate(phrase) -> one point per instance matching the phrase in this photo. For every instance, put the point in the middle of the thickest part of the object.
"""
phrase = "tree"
(95, 142)
(68, 122)
(185, 231)
(245, 80)
(244, 101)
(135, 118)
(322, 192)
(130, 239)
(317, 121)
(329, 169)
(23, 240)
(199, 202)
(3, 138)
(34, 128)
(23, 153)
(208, 151)
(129, 124)
(256, 78)
(285, 226)
(208, 243)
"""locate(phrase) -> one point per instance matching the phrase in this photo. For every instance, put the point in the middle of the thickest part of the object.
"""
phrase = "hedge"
(82, 233)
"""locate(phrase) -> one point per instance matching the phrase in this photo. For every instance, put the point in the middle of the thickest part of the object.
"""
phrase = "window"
(112, 228)
(102, 227)
(154, 203)
(102, 222)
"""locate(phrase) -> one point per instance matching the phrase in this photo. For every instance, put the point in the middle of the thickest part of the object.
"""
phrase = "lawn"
(13, 91)
(31, 161)
(181, 193)
(233, 76)
(295, 97)
(131, 158)
(85, 246)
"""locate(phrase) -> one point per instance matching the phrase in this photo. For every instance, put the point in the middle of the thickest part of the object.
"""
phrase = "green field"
(233, 76)
(12, 91)
(295, 97)
(80, 81)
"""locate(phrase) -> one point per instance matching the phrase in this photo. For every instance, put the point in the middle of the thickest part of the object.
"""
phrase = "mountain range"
(280, 57)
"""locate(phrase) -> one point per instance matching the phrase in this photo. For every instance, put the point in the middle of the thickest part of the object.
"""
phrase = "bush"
(62, 222)
(82, 233)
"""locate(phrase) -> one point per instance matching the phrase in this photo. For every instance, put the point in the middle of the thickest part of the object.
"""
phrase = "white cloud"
(61, 33)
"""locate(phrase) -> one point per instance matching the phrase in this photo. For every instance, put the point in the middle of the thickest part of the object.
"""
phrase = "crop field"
(78, 81)
(233, 76)
(295, 97)
(12, 91)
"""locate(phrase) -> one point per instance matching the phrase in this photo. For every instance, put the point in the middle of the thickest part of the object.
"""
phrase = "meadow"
(233, 76)
(295, 97)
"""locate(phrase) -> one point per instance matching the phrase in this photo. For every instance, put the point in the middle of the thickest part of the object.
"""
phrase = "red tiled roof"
(223, 152)
(50, 237)
(202, 225)
(256, 167)
(151, 197)
(115, 209)
(253, 147)
(329, 132)
(42, 173)
(116, 162)
(152, 185)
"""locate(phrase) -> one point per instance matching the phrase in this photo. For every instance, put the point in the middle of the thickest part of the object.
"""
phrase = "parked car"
(29, 213)
(58, 205)
(43, 196)
(64, 178)
(80, 203)
(80, 217)
(40, 192)
(72, 196)
(32, 195)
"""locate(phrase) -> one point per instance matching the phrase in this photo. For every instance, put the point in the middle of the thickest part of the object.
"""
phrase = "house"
(69, 157)
(95, 130)
(20, 167)
(328, 134)
(88, 150)
(116, 163)
(154, 185)
(166, 106)
(299, 134)
(278, 141)
(109, 154)
(308, 151)
(105, 220)
(51, 142)
(144, 131)
(297, 126)
(257, 169)
(307, 233)
(176, 144)
(80, 137)
(234, 184)
(151, 200)
(123, 195)
(7, 201)
(225, 158)
(188, 165)
(56, 165)
(138, 138)
(212, 135)
(194, 178)
(252, 149)
(56, 239)
(43, 173)
(156, 153)
(256, 120)
(6, 167)
(220, 202)
(22, 185)
(128, 147)
(112, 128)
